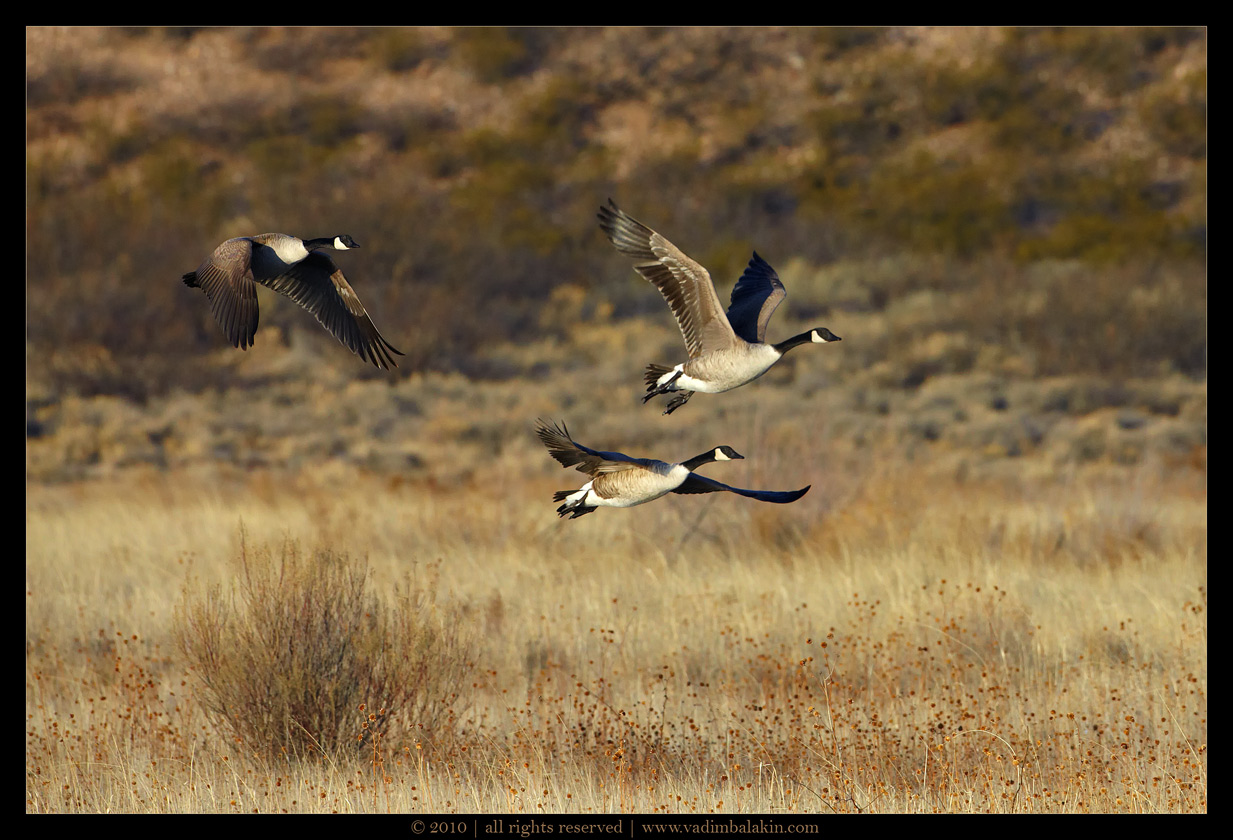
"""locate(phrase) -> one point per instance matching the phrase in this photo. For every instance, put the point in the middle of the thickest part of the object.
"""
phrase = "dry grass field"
(933, 647)
(907, 637)
(283, 581)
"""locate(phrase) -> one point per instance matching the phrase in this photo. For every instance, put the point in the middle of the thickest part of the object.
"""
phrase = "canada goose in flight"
(725, 351)
(621, 481)
(296, 268)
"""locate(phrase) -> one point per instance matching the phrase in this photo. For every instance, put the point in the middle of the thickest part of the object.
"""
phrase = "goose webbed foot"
(678, 401)
(573, 511)
(656, 386)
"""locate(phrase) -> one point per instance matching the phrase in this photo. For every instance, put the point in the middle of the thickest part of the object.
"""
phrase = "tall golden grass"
(932, 645)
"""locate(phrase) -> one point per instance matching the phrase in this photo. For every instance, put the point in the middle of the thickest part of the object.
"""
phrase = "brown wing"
(587, 460)
(226, 277)
(319, 286)
(685, 285)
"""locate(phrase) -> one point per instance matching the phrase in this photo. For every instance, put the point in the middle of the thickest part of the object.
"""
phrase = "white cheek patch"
(720, 456)
(817, 339)
(339, 246)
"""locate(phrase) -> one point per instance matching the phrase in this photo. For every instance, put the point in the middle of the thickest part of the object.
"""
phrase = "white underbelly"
(706, 386)
(595, 499)
(719, 372)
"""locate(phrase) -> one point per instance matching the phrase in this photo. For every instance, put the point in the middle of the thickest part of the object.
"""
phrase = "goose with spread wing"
(298, 269)
(618, 480)
(726, 349)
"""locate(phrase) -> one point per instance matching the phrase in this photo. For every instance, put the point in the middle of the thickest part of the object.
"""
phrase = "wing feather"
(570, 453)
(685, 285)
(754, 299)
(696, 483)
(226, 276)
(320, 286)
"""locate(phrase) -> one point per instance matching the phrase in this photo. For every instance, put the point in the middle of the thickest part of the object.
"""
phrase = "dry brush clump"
(287, 657)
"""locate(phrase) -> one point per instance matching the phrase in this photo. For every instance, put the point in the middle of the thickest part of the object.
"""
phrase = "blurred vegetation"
(1061, 167)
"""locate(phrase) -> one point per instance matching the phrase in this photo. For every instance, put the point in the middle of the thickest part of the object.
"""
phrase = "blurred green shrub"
(398, 49)
(1177, 117)
(496, 53)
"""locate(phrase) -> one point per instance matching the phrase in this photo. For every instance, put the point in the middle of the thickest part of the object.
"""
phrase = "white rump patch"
(667, 376)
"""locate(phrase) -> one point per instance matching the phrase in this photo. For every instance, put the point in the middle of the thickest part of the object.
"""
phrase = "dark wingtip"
(787, 497)
(542, 426)
(607, 215)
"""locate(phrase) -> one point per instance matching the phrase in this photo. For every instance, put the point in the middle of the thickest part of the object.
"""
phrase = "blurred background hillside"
(1008, 227)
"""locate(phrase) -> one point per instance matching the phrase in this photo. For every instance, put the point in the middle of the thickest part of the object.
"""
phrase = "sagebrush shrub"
(287, 654)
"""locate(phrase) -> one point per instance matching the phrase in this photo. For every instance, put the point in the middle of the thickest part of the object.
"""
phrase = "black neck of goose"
(324, 242)
(698, 460)
(803, 338)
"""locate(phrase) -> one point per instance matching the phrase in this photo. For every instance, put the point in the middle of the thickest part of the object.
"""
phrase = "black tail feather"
(571, 509)
(653, 372)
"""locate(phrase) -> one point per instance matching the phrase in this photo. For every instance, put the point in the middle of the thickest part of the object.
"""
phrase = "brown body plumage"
(295, 268)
